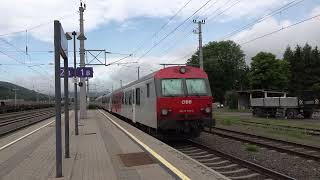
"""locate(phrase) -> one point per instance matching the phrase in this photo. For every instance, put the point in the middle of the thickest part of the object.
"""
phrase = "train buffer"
(106, 148)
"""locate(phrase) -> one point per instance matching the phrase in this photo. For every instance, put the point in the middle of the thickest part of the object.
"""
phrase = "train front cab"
(184, 101)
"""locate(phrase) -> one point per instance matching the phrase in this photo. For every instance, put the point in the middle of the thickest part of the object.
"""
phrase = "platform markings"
(152, 152)
(24, 136)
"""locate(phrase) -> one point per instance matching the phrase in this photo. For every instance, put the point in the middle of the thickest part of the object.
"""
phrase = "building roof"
(261, 90)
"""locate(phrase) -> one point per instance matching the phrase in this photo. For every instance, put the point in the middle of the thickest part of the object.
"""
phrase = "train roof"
(170, 72)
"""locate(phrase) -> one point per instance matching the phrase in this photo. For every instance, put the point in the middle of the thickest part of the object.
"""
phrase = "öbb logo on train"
(186, 102)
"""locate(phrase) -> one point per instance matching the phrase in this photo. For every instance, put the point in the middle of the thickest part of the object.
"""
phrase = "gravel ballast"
(293, 166)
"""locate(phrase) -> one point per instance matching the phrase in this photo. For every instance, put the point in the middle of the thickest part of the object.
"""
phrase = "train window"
(196, 87)
(127, 98)
(148, 90)
(138, 96)
(130, 98)
(133, 96)
(172, 87)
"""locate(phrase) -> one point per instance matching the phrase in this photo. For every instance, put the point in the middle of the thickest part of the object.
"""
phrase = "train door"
(133, 105)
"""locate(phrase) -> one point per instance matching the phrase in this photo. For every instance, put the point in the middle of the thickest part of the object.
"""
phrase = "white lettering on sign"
(186, 102)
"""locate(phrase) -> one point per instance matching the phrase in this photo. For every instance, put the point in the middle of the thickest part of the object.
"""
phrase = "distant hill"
(6, 92)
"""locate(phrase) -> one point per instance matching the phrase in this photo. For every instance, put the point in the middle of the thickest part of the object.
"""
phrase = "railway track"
(301, 150)
(228, 165)
(14, 121)
(310, 131)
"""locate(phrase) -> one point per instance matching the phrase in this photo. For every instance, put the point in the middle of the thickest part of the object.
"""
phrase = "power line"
(222, 12)
(220, 7)
(171, 32)
(161, 28)
(185, 32)
(264, 17)
(12, 45)
(281, 29)
(217, 9)
(35, 27)
(11, 57)
(114, 62)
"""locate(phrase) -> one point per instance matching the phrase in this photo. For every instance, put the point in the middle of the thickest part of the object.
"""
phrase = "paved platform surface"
(101, 151)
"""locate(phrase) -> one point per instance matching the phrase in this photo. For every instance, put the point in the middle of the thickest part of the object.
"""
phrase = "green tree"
(304, 65)
(267, 72)
(225, 66)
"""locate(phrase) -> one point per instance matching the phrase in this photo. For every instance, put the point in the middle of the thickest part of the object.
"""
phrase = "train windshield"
(172, 87)
(196, 87)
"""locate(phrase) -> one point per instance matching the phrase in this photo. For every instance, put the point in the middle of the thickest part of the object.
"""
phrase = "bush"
(226, 122)
(252, 148)
(92, 106)
(232, 99)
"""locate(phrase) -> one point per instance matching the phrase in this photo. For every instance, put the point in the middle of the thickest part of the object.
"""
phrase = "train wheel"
(292, 113)
(307, 114)
(257, 112)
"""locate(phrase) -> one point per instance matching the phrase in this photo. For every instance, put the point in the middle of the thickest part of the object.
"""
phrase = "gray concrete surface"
(94, 154)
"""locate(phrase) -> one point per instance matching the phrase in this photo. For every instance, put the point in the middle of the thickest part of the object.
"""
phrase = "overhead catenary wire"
(114, 62)
(217, 9)
(36, 26)
(225, 10)
(172, 31)
(216, 15)
(161, 28)
(12, 45)
(281, 29)
(186, 30)
(13, 58)
(263, 18)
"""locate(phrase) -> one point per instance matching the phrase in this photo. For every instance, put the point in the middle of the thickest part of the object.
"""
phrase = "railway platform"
(106, 148)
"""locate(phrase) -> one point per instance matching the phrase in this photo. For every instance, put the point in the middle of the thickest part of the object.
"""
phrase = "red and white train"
(172, 101)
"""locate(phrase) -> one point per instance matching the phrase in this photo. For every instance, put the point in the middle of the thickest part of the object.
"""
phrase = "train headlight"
(183, 70)
(208, 109)
(164, 112)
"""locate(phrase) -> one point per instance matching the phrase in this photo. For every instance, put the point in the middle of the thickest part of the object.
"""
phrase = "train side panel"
(146, 108)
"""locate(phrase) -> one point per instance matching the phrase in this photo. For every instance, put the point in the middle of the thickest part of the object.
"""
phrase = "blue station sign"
(80, 72)
(70, 72)
(84, 72)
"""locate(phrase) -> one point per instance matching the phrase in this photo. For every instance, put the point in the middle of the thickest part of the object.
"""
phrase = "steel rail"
(262, 171)
(310, 131)
(226, 134)
(13, 124)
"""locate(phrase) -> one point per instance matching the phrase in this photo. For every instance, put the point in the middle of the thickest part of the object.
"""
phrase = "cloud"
(16, 15)
(129, 25)
(26, 14)
(307, 32)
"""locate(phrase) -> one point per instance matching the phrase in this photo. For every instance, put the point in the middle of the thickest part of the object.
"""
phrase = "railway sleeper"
(247, 177)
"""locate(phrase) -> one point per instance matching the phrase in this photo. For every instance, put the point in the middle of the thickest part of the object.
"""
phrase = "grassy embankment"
(235, 120)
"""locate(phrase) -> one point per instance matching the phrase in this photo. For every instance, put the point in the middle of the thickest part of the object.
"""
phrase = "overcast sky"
(127, 26)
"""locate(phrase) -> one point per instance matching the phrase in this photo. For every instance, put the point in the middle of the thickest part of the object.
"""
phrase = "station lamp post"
(80, 37)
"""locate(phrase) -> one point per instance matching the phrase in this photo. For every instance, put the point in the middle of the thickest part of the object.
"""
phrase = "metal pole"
(66, 110)
(38, 96)
(199, 32)
(138, 72)
(15, 98)
(57, 41)
(75, 85)
(88, 95)
(200, 46)
(83, 99)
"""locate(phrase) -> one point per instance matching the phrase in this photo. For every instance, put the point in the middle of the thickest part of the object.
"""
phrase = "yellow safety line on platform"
(152, 152)
(20, 138)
